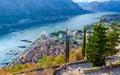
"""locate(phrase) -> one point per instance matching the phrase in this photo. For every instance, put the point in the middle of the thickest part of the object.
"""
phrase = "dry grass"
(17, 69)
(49, 62)
(47, 72)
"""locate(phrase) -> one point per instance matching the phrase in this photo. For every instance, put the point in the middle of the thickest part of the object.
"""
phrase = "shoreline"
(28, 49)
(33, 44)
(25, 50)
(12, 63)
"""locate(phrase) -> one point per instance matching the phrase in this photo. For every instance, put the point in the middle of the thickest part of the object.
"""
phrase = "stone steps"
(114, 72)
(85, 66)
(75, 72)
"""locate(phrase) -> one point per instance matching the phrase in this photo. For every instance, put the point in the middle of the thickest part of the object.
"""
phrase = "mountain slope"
(32, 8)
(83, 4)
(113, 6)
(16, 14)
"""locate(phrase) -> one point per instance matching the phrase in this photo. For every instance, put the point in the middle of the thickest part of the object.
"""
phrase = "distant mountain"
(83, 4)
(16, 14)
(112, 6)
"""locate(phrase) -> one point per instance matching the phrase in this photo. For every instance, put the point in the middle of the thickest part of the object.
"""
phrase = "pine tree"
(84, 42)
(67, 47)
(96, 46)
(113, 38)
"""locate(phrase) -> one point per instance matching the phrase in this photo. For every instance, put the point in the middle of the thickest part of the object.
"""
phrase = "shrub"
(46, 61)
(118, 61)
(60, 59)
(72, 56)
